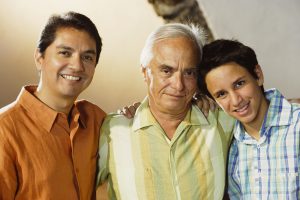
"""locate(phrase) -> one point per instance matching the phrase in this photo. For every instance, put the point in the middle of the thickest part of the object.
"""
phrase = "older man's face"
(171, 75)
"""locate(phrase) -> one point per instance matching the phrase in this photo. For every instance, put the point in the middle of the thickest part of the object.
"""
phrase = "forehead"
(74, 36)
(225, 74)
(175, 51)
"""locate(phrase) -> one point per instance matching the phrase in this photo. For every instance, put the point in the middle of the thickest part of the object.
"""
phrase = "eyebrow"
(239, 79)
(90, 51)
(165, 66)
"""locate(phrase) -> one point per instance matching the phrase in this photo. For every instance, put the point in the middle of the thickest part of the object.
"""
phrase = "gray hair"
(172, 30)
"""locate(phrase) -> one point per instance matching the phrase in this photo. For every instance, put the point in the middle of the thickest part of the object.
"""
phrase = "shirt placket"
(174, 172)
(74, 125)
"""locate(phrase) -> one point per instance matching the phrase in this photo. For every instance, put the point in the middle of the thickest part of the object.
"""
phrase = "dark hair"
(72, 20)
(220, 52)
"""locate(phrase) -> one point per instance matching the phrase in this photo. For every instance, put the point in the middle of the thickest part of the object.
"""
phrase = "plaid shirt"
(268, 168)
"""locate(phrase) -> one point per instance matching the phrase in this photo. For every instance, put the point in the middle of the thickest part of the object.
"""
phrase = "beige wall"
(270, 27)
(123, 25)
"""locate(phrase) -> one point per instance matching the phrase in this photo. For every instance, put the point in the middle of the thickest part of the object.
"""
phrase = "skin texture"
(239, 94)
(171, 76)
(66, 68)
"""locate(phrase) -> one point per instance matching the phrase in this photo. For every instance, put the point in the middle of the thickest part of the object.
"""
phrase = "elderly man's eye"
(190, 73)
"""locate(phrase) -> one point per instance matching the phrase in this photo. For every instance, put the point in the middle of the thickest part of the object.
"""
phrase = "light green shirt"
(140, 162)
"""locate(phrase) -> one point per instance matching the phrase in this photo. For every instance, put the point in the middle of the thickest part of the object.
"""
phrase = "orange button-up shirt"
(42, 156)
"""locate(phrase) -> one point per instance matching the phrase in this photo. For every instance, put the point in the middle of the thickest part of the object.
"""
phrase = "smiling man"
(168, 150)
(264, 158)
(48, 140)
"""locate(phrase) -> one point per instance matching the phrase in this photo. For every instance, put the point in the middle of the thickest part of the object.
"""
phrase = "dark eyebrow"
(64, 47)
(90, 51)
(239, 79)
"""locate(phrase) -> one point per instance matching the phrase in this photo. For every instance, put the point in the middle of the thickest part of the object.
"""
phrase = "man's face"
(68, 64)
(171, 75)
(238, 92)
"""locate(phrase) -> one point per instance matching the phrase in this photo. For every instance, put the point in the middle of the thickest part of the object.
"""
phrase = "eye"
(88, 58)
(190, 73)
(65, 53)
(220, 94)
(166, 70)
(239, 84)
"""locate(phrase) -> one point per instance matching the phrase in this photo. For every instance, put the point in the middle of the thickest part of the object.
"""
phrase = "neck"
(59, 104)
(253, 128)
(168, 121)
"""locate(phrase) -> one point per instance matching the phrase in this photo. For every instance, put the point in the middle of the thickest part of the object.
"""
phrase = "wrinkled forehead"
(177, 51)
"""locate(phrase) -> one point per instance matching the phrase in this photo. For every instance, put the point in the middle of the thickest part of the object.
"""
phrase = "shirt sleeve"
(102, 175)
(8, 174)
(234, 189)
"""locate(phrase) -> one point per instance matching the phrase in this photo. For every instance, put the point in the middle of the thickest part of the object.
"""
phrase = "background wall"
(123, 26)
(271, 27)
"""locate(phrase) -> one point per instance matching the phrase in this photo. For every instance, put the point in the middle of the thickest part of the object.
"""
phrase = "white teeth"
(242, 109)
(72, 78)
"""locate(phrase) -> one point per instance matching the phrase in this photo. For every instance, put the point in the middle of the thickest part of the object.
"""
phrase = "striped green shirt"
(140, 162)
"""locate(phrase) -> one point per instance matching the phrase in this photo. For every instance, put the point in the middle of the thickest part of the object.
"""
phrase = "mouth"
(243, 109)
(70, 77)
(176, 95)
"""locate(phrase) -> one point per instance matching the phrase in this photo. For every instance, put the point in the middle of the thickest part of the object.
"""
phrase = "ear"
(144, 72)
(38, 59)
(259, 74)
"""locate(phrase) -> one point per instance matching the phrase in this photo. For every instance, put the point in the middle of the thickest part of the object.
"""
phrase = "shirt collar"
(144, 117)
(44, 114)
(278, 114)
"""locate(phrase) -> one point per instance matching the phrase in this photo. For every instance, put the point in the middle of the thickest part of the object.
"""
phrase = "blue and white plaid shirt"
(268, 168)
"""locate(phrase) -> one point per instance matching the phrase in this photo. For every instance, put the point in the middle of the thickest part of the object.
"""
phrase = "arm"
(294, 100)
(8, 174)
(102, 175)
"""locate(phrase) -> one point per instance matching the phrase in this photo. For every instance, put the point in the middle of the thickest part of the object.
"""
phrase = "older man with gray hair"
(169, 149)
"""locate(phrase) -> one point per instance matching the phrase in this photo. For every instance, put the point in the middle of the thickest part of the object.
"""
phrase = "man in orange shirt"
(48, 140)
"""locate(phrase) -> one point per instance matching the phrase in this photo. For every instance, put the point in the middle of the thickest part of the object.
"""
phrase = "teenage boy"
(264, 157)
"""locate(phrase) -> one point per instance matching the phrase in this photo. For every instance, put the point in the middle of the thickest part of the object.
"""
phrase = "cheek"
(190, 84)
(224, 105)
(158, 84)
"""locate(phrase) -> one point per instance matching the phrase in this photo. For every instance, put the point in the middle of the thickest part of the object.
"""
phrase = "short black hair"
(68, 20)
(220, 52)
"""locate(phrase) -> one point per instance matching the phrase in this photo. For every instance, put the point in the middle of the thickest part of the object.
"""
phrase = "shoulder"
(87, 107)
(8, 110)
(295, 112)
(113, 120)
(10, 114)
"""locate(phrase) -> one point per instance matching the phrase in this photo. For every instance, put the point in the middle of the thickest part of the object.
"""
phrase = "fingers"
(129, 112)
(136, 104)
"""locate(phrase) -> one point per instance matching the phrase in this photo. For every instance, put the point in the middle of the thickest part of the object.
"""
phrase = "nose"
(236, 98)
(76, 63)
(177, 82)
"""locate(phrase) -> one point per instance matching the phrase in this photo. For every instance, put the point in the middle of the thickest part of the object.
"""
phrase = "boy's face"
(238, 92)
